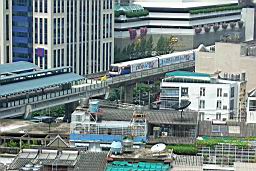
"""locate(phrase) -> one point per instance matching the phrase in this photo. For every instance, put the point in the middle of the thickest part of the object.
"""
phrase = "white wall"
(248, 18)
(210, 98)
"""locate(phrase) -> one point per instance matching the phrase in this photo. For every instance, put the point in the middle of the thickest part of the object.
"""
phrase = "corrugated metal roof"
(17, 67)
(38, 83)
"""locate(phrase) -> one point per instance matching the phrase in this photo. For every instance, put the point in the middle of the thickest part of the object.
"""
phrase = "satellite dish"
(158, 148)
(182, 105)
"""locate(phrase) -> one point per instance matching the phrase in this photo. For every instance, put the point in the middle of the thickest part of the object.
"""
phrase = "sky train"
(150, 63)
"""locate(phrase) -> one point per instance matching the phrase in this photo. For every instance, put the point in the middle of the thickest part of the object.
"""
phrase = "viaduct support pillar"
(69, 109)
(128, 93)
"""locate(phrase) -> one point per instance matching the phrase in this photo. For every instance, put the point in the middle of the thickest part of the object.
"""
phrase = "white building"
(251, 107)
(54, 33)
(213, 98)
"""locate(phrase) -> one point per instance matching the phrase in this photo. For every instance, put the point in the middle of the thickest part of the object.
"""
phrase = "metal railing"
(87, 90)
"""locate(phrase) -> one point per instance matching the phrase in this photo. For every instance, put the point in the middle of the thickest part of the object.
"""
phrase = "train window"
(113, 68)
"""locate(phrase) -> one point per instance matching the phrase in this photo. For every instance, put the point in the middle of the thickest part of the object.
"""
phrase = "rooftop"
(186, 74)
(17, 67)
(182, 4)
(35, 84)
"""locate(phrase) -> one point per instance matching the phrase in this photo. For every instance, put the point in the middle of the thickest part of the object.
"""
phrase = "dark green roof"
(186, 74)
(128, 8)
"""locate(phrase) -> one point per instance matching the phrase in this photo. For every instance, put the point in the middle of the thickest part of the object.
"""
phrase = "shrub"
(184, 149)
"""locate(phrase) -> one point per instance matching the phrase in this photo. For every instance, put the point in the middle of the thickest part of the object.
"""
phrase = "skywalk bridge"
(23, 93)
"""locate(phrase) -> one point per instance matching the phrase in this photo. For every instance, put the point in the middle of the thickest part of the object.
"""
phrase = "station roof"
(17, 67)
(44, 82)
(185, 74)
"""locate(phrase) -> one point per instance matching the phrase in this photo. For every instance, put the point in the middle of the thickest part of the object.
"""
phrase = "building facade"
(251, 107)
(55, 33)
(240, 59)
(5, 32)
(213, 98)
(186, 24)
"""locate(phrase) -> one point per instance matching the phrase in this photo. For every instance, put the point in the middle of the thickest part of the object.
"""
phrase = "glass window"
(218, 116)
(232, 104)
(45, 31)
(218, 104)
(36, 30)
(41, 30)
(232, 94)
(7, 4)
(201, 104)
(41, 6)
(184, 91)
(219, 92)
(45, 6)
(36, 6)
(7, 27)
(202, 91)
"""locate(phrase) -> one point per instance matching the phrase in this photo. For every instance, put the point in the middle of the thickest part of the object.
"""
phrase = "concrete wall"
(227, 59)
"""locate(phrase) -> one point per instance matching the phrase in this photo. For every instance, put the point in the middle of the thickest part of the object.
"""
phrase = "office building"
(230, 59)
(55, 33)
(212, 97)
(186, 23)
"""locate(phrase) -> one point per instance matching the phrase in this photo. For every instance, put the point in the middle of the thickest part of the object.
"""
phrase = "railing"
(12, 106)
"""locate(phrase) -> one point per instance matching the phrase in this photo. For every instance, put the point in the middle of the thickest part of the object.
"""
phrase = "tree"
(149, 46)
(160, 46)
(163, 46)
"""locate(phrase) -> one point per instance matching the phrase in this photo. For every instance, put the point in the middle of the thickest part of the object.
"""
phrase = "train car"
(133, 66)
(175, 58)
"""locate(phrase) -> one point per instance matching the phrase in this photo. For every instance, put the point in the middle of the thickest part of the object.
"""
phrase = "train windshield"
(113, 69)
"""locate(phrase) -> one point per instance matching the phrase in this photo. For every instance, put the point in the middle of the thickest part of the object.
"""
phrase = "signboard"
(176, 59)
(144, 66)
(40, 52)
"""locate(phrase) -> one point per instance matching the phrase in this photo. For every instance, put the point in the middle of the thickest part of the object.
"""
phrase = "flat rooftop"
(17, 67)
(181, 4)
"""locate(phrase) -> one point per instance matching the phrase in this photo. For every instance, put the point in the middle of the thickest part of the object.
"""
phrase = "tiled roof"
(91, 161)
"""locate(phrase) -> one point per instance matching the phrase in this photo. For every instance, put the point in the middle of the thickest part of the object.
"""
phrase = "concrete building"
(251, 107)
(231, 59)
(186, 23)
(213, 98)
(54, 33)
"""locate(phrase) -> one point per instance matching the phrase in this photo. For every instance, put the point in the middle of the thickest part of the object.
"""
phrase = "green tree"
(163, 46)
(114, 94)
(140, 89)
(143, 47)
(149, 46)
(160, 46)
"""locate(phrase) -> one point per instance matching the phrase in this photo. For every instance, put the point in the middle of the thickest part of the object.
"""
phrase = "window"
(202, 91)
(7, 4)
(7, 27)
(41, 30)
(184, 91)
(219, 92)
(225, 94)
(219, 128)
(201, 116)
(7, 54)
(218, 116)
(201, 104)
(218, 104)
(232, 94)
(252, 105)
(36, 6)
(41, 6)
(45, 6)
(225, 107)
(231, 104)
(45, 31)
(36, 30)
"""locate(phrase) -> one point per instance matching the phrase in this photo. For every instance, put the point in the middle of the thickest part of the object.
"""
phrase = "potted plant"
(240, 24)
(216, 27)
(232, 25)
(224, 26)
(198, 30)
(207, 28)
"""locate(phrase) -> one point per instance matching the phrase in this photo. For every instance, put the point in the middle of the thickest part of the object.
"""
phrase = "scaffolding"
(84, 122)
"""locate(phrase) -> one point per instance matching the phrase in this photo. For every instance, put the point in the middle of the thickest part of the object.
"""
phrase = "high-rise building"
(54, 33)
